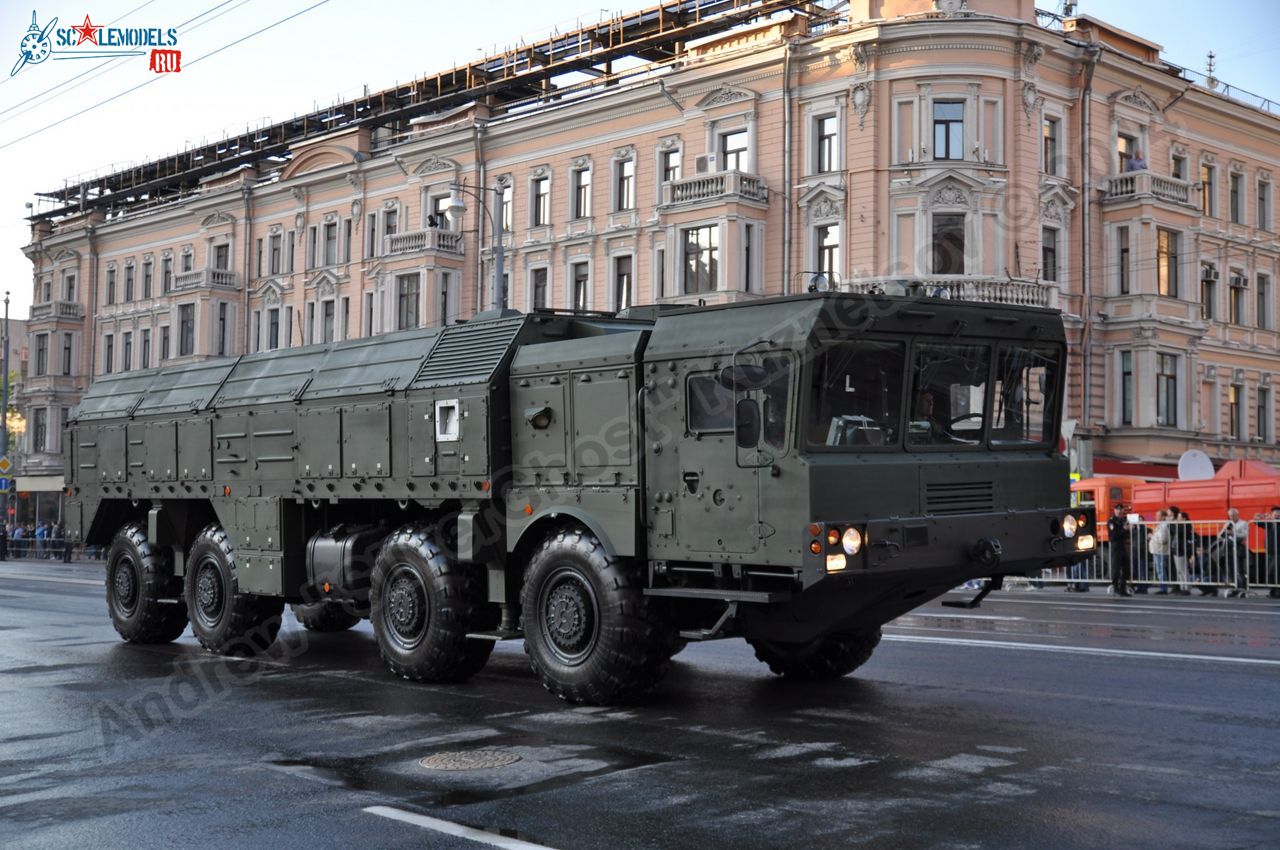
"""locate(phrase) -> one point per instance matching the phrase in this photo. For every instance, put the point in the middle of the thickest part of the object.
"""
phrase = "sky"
(249, 62)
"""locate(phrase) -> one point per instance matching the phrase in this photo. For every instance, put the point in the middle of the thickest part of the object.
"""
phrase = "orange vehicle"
(1100, 493)
(1249, 486)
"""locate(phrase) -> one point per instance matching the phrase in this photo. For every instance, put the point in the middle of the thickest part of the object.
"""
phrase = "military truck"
(796, 471)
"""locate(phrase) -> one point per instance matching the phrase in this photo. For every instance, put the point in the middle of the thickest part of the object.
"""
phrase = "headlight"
(1085, 542)
(851, 541)
(1069, 526)
(835, 563)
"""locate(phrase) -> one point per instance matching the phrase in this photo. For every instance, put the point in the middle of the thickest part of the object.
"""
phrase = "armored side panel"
(574, 436)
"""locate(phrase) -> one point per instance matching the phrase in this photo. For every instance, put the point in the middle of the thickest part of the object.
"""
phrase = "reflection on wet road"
(1041, 719)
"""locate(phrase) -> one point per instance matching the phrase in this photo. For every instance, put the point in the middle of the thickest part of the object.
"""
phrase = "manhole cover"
(469, 760)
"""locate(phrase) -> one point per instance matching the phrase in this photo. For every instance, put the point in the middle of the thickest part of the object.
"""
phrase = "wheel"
(324, 616)
(423, 604)
(589, 630)
(824, 657)
(225, 620)
(144, 598)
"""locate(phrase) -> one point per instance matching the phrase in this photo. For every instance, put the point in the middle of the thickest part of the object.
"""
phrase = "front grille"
(960, 497)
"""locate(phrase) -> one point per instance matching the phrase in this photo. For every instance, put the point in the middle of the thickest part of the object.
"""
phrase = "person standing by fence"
(1233, 542)
(1180, 548)
(1118, 537)
(1158, 544)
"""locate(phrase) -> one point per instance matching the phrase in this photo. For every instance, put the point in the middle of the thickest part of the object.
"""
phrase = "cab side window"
(710, 405)
(777, 392)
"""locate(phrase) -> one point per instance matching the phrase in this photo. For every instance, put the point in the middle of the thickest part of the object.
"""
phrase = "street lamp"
(457, 206)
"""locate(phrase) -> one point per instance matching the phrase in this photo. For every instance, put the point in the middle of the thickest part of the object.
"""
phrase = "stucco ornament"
(826, 207)
(1032, 100)
(950, 195)
(861, 98)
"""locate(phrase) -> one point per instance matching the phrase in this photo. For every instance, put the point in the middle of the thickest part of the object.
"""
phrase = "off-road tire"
(825, 657)
(590, 632)
(143, 597)
(422, 604)
(223, 619)
(324, 616)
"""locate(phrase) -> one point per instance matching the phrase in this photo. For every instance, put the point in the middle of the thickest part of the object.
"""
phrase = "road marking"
(1084, 650)
(95, 582)
(455, 829)
(943, 615)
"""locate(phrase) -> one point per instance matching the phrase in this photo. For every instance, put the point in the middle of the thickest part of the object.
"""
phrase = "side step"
(496, 635)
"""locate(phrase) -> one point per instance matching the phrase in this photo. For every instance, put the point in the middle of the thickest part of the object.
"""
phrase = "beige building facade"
(997, 153)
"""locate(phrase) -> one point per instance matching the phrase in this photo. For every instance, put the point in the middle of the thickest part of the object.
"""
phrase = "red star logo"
(88, 31)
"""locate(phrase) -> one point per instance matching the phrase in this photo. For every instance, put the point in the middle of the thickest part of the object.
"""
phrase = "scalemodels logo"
(93, 41)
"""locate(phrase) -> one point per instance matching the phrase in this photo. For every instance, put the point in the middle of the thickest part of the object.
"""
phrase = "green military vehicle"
(796, 471)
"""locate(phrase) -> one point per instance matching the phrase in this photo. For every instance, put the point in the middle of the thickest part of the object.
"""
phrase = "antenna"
(1210, 66)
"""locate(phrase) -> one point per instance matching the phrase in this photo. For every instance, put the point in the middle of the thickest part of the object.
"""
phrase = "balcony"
(71, 310)
(420, 241)
(1145, 186)
(718, 187)
(1019, 293)
(205, 279)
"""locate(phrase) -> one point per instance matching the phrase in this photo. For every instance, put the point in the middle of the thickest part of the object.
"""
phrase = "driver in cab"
(925, 427)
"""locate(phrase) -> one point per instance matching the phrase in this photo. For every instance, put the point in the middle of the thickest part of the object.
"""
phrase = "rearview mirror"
(743, 377)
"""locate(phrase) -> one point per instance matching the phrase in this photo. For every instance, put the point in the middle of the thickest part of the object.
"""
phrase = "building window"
(1167, 262)
(346, 317)
(581, 285)
(43, 291)
(622, 283)
(1049, 253)
(42, 354)
(166, 275)
(1264, 302)
(126, 353)
(408, 288)
(505, 207)
(1122, 249)
(538, 289)
(825, 139)
(370, 237)
(275, 253)
(224, 329)
(1264, 205)
(222, 256)
(188, 261)
(366, 320)
(186, 329)
(625, 190)
(164, 343)
(1235, 416)
(826, 239)
(290, 242)
(948, 243)
(390, 222)
(111, 286)
(440, 217)
(446, 282)
(701, 258)
(1235, 194)
(146, 279)
(1126, 152)
(1126, 388)
(273, 328)
(346, 240)
(1208, 190)
(328, 320)
(748, 256)
(581, 183)
(146, 348)
(1167, 390)
(733, 151)
(1208, 291)
(128, 283)
(948, 129)
(670, 165)
(1178, 166)
(39, 429)
(1238, 289)
(1052, 127)
(68, 287)
(1262, 425)
(108, 353)
(66, 353)
(331, 244)
(540, 201)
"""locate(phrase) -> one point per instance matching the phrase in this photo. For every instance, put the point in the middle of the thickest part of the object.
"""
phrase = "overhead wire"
(151, 80)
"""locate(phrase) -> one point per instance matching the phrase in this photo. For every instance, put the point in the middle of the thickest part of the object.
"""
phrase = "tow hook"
(986, 552)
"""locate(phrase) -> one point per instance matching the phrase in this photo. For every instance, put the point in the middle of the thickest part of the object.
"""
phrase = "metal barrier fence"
(48, 549)
(1183, 558)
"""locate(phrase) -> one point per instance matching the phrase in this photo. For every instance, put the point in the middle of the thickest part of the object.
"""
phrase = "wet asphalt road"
(1043, 719)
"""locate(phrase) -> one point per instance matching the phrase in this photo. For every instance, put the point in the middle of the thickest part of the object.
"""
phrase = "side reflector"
(528, 510)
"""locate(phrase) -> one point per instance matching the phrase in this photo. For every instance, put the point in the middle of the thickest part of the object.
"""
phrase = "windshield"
(856, 393)
(1026, 401)
(949, 392)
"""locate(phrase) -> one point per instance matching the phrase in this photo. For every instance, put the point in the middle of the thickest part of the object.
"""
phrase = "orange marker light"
(484, 485)
(226, 491)
(833, 536)
(528, 510)
(815, 547)
(327, 587)
(814, 530)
